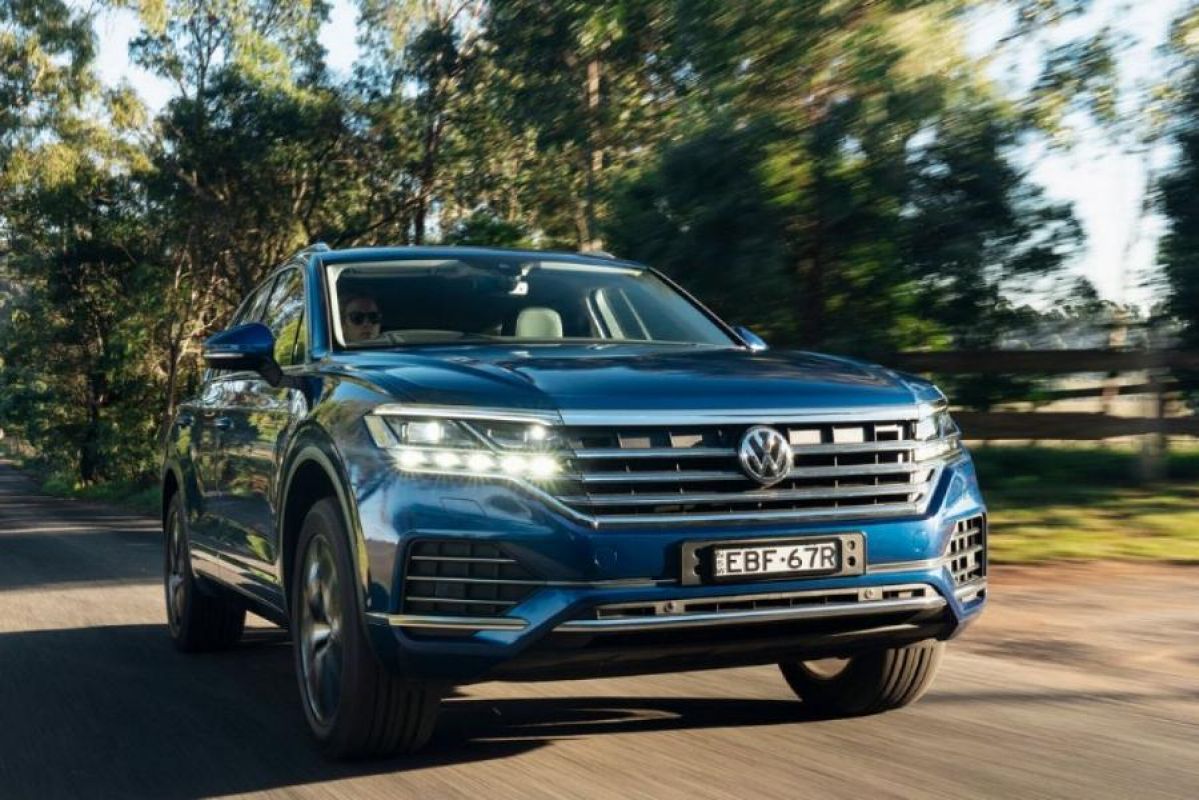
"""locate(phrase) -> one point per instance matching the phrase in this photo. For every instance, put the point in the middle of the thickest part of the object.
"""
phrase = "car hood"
(631, 378)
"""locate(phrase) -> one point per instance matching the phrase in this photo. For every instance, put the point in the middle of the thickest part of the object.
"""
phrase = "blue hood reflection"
(628, 377)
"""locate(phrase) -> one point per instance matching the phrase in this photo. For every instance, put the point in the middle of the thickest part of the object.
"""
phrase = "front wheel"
(867, 683)
(354, 705)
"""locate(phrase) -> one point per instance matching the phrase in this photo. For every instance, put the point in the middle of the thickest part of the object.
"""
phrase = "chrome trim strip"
(638, 418)
(862, 593)
(907, 566)
(970, 591)
(886, 446)
(613, 583)
(746, 497)
(829, 611)
(897, 468)
(661, 477)
(468, 412)
(412, 598)
(845, 513)
(467, 559)
(616, 583)
(411, 578)
(655, 452)
(205, 552)
(449, 623)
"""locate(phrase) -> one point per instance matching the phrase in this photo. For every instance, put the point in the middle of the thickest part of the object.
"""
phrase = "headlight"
(939, 435)
(475, 447)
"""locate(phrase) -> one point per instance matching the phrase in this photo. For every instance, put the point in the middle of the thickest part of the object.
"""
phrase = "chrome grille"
(968, 550)
(458, 578)
(638, 474)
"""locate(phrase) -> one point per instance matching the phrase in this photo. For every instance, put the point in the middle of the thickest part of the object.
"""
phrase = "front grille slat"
(838, 470)
(832, 513)
(743, 497)
(640, 473)
(656, 452)
(660, 477)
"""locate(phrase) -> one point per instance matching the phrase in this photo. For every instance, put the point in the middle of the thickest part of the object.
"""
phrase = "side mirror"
(250, 346)
(753, 340)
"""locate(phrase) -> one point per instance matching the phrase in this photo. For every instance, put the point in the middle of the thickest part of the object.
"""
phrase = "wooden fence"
(1157, 385)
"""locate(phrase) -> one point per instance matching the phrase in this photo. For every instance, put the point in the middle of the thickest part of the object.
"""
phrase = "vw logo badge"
(765, 455)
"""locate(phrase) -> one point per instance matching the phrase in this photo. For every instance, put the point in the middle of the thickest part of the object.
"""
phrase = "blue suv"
(442, 465)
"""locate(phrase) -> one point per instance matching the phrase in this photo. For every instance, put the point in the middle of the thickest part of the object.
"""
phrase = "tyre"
(868, 683)
(355, 706)
(198, 620)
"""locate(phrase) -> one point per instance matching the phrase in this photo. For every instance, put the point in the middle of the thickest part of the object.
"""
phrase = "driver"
(360, 318)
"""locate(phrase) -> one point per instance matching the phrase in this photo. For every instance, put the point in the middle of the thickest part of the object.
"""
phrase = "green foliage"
(1179, 248)
(834, 175)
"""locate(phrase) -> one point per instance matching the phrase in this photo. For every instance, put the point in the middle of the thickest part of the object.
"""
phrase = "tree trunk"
(89, 452)
(589, 238)
(809, 298)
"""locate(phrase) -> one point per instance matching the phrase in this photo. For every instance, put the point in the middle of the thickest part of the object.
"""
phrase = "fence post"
(1153, 444)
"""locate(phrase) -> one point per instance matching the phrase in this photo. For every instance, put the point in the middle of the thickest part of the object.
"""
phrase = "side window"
(284, 315)
(619, 315)
(250, 310)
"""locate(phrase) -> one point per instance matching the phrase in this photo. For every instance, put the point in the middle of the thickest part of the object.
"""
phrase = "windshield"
(434, 301)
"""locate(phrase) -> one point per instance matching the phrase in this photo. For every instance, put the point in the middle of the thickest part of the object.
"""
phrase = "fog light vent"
(464, 579)
(968, 550)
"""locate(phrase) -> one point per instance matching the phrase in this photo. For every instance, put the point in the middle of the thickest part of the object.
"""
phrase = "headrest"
(536, 322)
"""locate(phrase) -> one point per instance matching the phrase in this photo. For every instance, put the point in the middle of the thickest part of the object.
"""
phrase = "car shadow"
(117, 711)
(468, 720)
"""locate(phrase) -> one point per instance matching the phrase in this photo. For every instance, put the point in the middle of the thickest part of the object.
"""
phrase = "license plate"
(792, 558)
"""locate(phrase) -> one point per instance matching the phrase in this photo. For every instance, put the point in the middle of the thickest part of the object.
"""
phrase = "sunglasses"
(364, 317)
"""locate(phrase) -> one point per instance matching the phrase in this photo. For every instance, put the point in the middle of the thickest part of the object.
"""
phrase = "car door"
(261, 418)
(196, 420)
(208, 424)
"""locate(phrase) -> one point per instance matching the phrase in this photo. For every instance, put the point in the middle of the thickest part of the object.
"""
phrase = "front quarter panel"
(334, 437)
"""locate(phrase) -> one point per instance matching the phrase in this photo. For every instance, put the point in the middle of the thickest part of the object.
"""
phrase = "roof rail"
(315, 247)
(597, 254)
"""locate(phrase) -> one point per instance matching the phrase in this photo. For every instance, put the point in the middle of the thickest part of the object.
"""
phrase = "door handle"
(222, 423)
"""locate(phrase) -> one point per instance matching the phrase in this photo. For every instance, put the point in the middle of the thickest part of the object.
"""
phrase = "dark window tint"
(284, 315)
(494, 298)
(251, 308)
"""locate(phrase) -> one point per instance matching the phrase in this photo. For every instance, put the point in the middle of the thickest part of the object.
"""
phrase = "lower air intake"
(465, 579)
(968, 550)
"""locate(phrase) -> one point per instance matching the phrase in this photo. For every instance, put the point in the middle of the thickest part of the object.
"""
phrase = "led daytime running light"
(477, 463)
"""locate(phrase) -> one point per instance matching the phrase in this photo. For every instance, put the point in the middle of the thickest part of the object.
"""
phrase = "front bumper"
(613, 602)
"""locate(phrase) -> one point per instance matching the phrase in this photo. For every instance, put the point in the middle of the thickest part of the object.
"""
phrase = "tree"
(1178, 252)
(585, 83)
(871, 171)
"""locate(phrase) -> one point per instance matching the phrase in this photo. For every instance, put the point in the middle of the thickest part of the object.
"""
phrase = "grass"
(131, 496)
(1053, 504)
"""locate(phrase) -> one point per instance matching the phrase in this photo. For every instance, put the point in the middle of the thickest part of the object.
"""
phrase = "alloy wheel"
(321, 646)
(176, 573)
(826, 669)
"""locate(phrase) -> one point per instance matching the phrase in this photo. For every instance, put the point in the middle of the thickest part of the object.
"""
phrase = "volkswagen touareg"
(443, 465)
